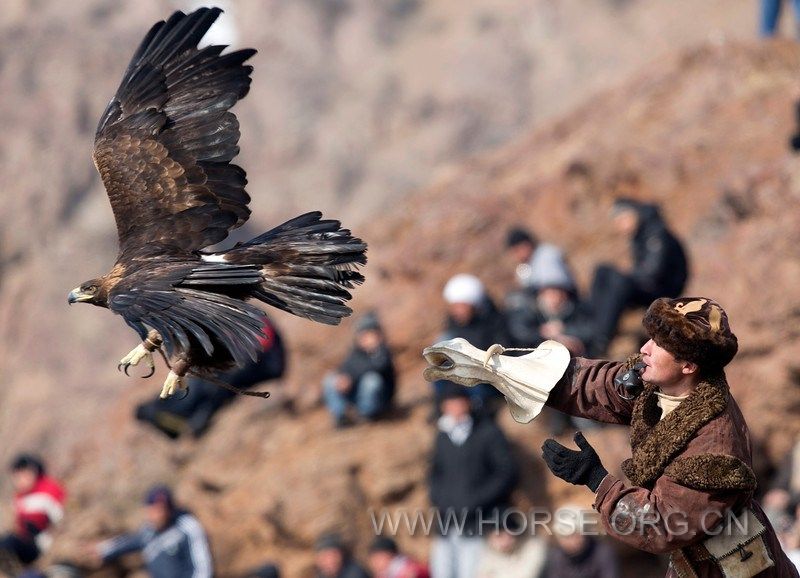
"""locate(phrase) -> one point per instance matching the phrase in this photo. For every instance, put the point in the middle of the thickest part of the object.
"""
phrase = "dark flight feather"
(166, 126)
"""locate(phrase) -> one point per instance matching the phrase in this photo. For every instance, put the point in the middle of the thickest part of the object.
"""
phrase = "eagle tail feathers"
(308, 265)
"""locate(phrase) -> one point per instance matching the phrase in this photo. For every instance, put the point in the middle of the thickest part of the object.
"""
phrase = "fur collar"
(655, 442)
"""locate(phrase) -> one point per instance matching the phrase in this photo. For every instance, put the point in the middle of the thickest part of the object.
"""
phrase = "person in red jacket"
(386, 561)
(38, 505)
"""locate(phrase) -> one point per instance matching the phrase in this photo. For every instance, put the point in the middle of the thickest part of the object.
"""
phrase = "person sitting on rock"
(386, 561)
(536, 261)
(551, 312)
(38, 506)
(511, 553)
(576, 552)
(366, 378)
(333, 560)
(193, 412)
(472, 315)
(659, 269)
(172, 541)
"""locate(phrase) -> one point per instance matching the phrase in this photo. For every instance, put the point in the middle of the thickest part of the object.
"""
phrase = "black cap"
(622, 204)
(368, 322)
(28, 462)
(383, 544)
(160, 495)
(517, 235)
(328, 541)
(450, 390)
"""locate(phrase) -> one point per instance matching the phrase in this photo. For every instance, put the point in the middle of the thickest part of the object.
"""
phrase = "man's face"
(379, 562)
(626, 222)
(521, 252)
(552, 299)
(662, 369)
(330, 561)
(456, 407)
(23, 480)
(503, 542)
(462, 313)
(157, 515)
(572, 543)
(369, 340)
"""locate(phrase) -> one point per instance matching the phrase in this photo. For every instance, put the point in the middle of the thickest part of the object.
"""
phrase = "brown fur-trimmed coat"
(686, 470)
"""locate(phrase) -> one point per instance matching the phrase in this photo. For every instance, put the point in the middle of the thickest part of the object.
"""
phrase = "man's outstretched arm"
(587, 390)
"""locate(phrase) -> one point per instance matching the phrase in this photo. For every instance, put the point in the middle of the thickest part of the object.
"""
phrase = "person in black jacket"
(192, 412)
(472, 475)
(472, 315)
(366, 379)
(333, 559)
(659, 269)
(551, 312)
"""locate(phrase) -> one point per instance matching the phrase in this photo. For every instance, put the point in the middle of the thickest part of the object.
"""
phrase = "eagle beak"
(75, 296)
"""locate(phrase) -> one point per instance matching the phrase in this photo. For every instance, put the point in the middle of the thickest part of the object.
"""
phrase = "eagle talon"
(139, 353)
(173, 384)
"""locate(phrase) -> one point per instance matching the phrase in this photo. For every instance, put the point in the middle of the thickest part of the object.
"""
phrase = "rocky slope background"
(431, 127)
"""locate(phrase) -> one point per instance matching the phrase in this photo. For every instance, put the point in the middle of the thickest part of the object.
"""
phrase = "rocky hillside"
(702, 131)
(705, 136)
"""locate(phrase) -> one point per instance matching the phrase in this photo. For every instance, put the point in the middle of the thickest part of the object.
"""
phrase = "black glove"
(579, 468)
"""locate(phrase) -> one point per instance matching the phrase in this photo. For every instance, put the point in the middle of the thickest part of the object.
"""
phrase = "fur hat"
(693, 329)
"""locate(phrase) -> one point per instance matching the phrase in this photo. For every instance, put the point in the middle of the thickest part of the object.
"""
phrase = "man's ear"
(690, 368)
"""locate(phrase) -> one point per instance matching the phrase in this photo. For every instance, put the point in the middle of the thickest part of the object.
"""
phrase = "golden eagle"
(163, 148)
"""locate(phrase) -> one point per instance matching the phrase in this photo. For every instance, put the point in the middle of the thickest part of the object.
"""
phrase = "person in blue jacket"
(173, 544)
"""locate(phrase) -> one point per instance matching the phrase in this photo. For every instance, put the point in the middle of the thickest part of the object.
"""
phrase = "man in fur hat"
(690, 488)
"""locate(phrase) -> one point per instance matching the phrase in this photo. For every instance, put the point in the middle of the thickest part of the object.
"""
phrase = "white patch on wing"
(214, 258)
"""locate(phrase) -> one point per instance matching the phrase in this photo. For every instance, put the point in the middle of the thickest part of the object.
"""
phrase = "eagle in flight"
(163, 148)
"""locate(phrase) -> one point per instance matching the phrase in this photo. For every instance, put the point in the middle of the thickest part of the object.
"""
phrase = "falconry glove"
(581, 467)
(525, 381)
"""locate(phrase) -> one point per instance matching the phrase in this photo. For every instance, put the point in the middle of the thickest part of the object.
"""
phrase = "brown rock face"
(364, 98)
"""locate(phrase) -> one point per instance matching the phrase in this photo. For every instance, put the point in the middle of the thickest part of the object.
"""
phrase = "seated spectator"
(787, 477)
(537, 261)
(366, 379)
(266, 571)
(659, 269)
(510, 553)
(333, 559)
(576, 554)
(471, 314)
(472, 475)
(192, 413)
(386, 561)
(172, 541)
(552, 312)
(38, 506)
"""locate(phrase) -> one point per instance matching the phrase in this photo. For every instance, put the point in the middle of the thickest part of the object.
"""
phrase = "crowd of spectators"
(473, 468)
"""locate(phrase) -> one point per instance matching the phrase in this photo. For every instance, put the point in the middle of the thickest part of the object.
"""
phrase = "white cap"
(464, 288)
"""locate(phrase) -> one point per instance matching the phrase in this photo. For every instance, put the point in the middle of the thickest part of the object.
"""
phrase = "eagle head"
(88, 292)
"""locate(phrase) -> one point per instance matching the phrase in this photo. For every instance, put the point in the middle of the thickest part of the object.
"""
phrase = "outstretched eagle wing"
(165, 142)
